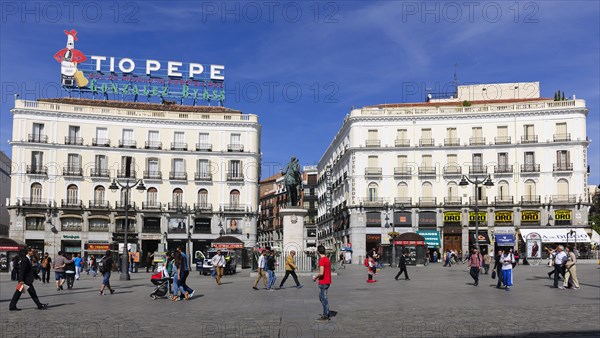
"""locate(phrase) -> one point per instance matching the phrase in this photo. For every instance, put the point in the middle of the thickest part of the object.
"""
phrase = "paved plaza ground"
(436, 302)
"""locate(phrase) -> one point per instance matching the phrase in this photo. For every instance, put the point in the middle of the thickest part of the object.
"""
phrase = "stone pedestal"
(293, 228)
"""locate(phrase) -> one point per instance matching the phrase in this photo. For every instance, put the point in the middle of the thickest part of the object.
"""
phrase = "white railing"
(169, 115)
(488, 108)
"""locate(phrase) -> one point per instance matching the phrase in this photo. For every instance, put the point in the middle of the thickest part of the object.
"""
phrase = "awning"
(432, 238)
(409, 238)
(505, 239)
(559, 235)
(227, 242)
(595, 237)
(484, 238)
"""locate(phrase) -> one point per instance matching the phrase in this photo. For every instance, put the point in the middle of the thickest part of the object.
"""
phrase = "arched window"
(234, 198)
(503, 194)
(529, 194)
(372, 192)
(35, 193)
(563, 188)
(402, 190)
(427, 189)
(152, 197)
(203, 198)
(99, 195)
(72, 194)
(177, 197)
(453, 191)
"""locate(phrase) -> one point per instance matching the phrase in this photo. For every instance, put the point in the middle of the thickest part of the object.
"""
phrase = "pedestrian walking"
(290, 269)
(498, 268)
(150, 261)
(218, 262)
(271, 271)
(475, 263)
(487, 259)
(78, 265)
(448, 259)
(508, 259)
(178, 290)
(324, 278)
(25, 279)
(560, 258)
(402, 266)
(59, 270)
(184, 273)
(105, 267)
(14, 264)
(46, 265)
(93, 266)
(571, 270)
(262, 268)
(341, 261)
(70, 272)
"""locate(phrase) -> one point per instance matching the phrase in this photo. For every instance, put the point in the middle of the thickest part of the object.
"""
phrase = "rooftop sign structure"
(134, 79)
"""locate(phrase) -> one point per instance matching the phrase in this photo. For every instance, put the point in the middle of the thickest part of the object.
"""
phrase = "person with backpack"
(105, 267)
(46, 264)
(507, 259)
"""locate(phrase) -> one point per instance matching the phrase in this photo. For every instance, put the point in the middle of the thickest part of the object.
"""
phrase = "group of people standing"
(564, 261)
(266, 270)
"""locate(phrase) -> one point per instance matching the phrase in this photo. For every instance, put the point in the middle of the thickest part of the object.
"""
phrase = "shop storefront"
(37, 244)
(373, 219)
(97, 249)
(71, 244)
(452, 231)
(427, 219)
(373, 241)
(503, 218)
(563, 217)
(150, 243)
(402, 219)
(482, 238)
(432, 241)
(504, 238)
(413, 246)
(530, 217)
(202, 225)
(9, 248)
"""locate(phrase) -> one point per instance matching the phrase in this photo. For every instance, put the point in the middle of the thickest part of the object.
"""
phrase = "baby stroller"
(163, 282)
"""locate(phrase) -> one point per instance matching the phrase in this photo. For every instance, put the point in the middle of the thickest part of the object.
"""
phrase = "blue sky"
(340, 54)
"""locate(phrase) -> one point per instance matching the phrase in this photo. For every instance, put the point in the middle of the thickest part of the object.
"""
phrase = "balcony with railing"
(562, 167)
(152, 175)
(427, 171)
(502, 140)
(235, 177)
(373, 143)
(477, 170)
(477, 141)
(37, 138)
(202, 206)
(402, 142)
(152, 205)
(426, 142)
(234, 207)
(99, 204)
(153, 145)
(483, 200)
(453, 200)
(71, 227)
(452, 141)
(72, 171)
(121, 205)
(203, 147)
(562, 137)
(123, 174)
(564, 199)
(503, 200)
(452, 170)
(37, 170)
(99, 173)
(73, 140)
(38, 226)
(127, 144)
(179, 206)
(100, 142)
(71, 203)
(427, 201)
(177, 176)
(530, 168)
(202, 177)
(402, 171)
(36, 202)
(531, 199)
(370, 202)
(232, 147)
(503, 169)
(529, 139)
(373, 171)
(400, 201)
(179, 146)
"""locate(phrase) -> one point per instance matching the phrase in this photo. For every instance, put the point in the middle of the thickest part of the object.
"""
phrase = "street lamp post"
(487, 181)
(114, 186)
(387, 225)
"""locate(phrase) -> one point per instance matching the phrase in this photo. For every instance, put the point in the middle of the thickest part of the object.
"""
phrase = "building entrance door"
(453, 242)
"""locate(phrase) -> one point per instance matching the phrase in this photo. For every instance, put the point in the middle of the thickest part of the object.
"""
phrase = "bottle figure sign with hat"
(69, 57)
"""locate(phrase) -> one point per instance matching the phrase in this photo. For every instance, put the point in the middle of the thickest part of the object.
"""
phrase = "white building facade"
(401, 165)
(199, 165)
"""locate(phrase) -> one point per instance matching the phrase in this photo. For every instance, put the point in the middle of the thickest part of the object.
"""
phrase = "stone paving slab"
(436, 302)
